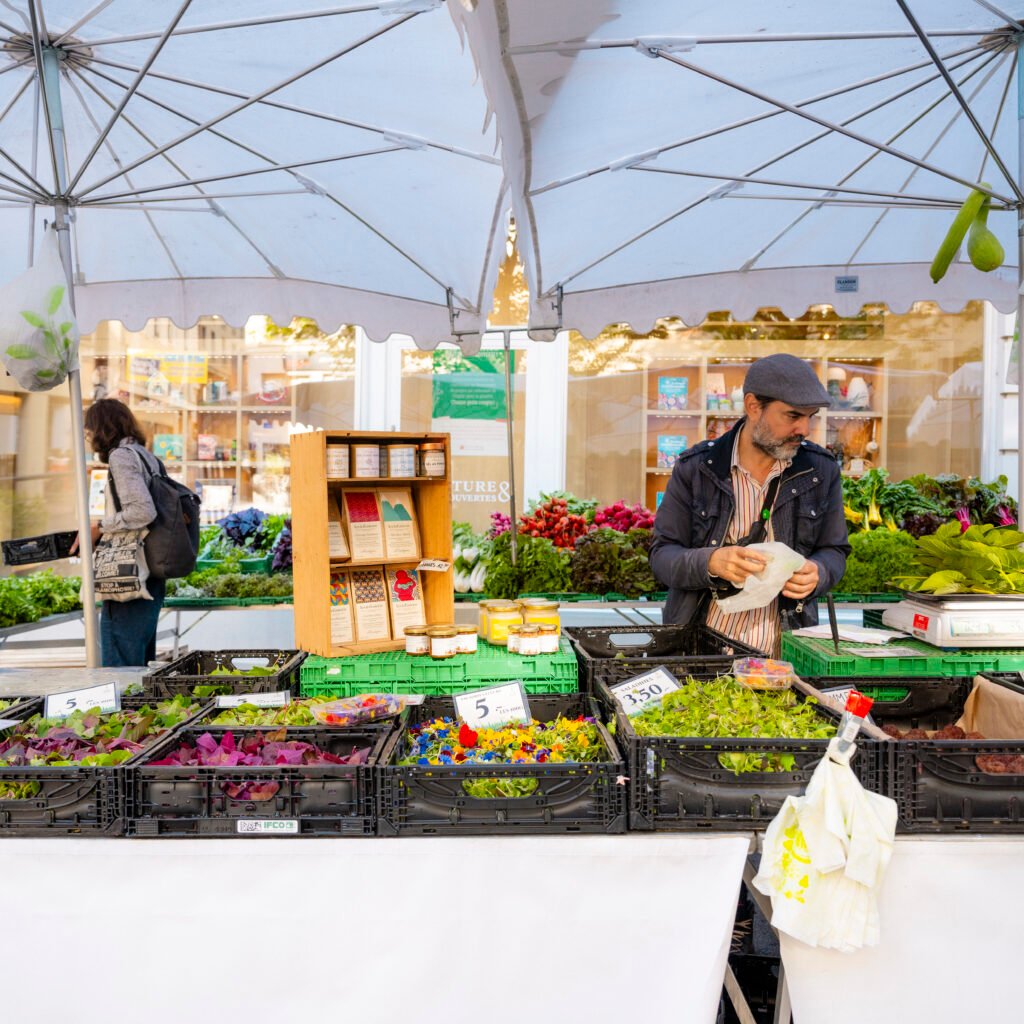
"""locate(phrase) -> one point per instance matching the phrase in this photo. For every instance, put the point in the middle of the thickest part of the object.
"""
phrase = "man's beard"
(765, 441)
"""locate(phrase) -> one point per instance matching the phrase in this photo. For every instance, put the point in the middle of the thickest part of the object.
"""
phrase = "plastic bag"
(824, 858)
(762, 588)
(367, 707)
(38, 332)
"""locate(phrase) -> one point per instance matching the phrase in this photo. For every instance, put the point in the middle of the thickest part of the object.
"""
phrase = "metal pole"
(51, 87)
(1020, 273)
(507, 336)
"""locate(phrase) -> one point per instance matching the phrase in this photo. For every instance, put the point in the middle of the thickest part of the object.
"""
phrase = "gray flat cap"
(787, 379)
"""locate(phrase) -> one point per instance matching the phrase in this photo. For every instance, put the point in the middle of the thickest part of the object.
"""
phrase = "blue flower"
(423, 760)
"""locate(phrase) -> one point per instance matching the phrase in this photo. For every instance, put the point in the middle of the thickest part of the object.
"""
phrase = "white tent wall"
(1000, 402)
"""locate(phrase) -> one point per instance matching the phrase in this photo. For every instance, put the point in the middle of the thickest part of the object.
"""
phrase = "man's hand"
(736, 563)
(95, 537)
(803, 582)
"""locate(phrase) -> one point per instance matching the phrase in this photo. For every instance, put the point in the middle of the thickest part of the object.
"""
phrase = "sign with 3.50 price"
(638, 693)
(278, 699)
(494, 706)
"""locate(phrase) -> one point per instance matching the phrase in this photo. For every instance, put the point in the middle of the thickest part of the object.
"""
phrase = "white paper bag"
(762, 588)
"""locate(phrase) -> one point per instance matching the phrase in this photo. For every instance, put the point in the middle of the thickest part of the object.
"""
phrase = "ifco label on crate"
(266, 827)
(278, 699)
(639, 692)
(494, 706)
(104, 697)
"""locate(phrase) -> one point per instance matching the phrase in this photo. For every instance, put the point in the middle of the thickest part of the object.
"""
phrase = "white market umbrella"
(273, 156)
(669, 159)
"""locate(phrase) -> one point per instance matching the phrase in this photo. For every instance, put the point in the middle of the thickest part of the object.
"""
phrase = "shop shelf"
(678, 783)
(813, 657)
(611, 654)
(940, 787)
(47, 548)
(398, 672)
(196, 669)
(419, 800)
(310, 800)
(902, 697)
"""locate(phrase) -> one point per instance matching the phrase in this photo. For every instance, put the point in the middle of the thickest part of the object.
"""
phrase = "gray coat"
(125, 463)
(699, 502)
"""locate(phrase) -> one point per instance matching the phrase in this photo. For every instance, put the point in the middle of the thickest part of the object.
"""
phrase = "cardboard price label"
(434, 565)
(494, 706)
(105, 697)
(638, 693)
(278, 699)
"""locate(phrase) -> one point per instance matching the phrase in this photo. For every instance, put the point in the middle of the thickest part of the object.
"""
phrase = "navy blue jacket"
(698, 505)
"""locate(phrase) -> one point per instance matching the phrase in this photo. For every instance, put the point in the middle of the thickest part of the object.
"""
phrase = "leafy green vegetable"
(291, 715)
(876, 557)
(31, 598)
(574, 506)
(540, 568)
(982, 560)
(607, 561)
(723, 708)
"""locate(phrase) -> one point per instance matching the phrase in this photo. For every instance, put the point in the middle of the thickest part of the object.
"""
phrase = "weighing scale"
(960, 620)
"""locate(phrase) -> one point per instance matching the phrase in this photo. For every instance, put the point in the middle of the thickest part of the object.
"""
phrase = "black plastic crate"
(902, 697)
(678, 784)
(589, 797)
(939, 785)
(71, 800)
(21, 707)
(196, 669)
(46, 548)
(612, 654)
(311, 800)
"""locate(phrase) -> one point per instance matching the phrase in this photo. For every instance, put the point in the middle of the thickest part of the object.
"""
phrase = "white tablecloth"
(952, 911)
(491, 930)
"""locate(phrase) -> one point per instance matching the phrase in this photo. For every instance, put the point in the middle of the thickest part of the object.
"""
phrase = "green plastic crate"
(888, 597)
(197, 603)
(398, 672)
(813, 657)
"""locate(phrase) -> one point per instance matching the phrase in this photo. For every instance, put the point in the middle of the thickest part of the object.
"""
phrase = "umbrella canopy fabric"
(673, 159)
(267, 156)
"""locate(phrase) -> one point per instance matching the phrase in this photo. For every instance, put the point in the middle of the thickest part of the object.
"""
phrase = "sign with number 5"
(494, 706)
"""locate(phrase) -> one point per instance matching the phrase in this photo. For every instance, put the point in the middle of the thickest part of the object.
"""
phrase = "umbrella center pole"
(1020, 274)
(507, 342)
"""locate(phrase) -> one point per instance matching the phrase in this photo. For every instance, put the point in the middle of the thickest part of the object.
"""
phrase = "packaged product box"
(406, 600)
(363, 522)
(401, 534)
(206, 447)
(370, 601)
(670, 447)
(337, 542)
(342, 627)
(169, 447)
(673, 393)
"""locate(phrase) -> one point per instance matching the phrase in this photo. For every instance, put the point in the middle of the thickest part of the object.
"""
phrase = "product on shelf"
(405, 597)
(670, 447)
(370, 601)
(365, 529)
(337, 461)
(398, 515)
(337, 542)
(342, 624)
(206, 447)
(673, 393)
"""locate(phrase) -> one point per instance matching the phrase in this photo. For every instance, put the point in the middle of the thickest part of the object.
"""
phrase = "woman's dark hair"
(110, 422)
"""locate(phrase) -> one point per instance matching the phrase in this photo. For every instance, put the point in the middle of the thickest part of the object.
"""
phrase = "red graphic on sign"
(362, 507)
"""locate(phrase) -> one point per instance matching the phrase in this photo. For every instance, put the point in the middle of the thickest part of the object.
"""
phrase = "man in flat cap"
(762, 481)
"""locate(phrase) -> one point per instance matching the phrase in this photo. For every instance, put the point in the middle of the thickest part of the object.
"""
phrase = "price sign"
(837, 696)
(278, 699)
(497, 705)
(434, 565)
(641, 691)
(267, 827)
(6, 723)
(412, 700)
(105, 697)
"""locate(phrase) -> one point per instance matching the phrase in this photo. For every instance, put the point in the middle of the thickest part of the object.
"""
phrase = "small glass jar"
(541, 613)
(513, 639)
(337, 461)
(549, 638)
(365, 461)
(416, 640)
(501, 615)
(444, 642)
(481, 629)
(529, 641)
(466, 639)
(401, 460)
(432, 459)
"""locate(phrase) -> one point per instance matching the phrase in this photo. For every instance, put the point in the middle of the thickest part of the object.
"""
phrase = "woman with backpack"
(127, 628)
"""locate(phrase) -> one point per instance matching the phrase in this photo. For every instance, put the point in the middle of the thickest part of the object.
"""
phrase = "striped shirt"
(760, 627)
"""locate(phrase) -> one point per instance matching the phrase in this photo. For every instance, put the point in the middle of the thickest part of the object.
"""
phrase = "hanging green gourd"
(983, 248)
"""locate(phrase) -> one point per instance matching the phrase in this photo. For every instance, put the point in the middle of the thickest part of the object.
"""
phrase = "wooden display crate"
(312, 564)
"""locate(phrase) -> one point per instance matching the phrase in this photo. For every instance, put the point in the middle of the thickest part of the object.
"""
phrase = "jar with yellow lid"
(540, 613)
(513, 639)
(482, 607)
(501, 615)
(416, 640)
(529, 641)
(466, 639)
(549, 638)
(444, 642)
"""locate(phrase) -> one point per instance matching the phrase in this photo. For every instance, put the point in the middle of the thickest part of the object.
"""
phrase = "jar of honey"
(513, 639)
(540, 613)
(549, 638)
(466, 639)
(443, 642)
(529, 641)
(501, 615)
(416, 640)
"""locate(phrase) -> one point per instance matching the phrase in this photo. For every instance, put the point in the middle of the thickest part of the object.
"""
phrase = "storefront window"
(907, 392)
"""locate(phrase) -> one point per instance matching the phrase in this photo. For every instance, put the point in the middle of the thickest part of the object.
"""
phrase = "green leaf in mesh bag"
(55, 298)
(33, 318)
(21, 351)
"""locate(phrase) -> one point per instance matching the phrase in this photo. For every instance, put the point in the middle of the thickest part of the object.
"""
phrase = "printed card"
(365, 532)
(337, 542)
(371, 605)
(342, 629)
(406, 600)
(401, 536)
